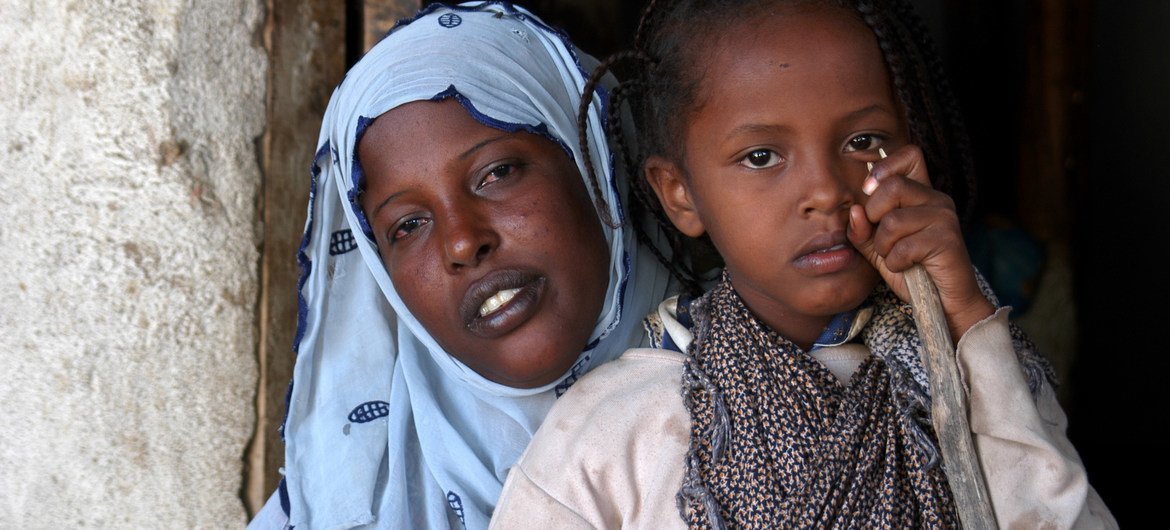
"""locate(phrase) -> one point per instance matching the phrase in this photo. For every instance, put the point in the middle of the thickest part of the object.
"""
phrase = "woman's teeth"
(495, 301)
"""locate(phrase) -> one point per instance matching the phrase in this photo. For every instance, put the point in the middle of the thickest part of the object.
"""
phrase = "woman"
(395, 419)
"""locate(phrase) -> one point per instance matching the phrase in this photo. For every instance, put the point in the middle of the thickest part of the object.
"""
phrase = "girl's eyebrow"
(750, 128)
(865, 111)
(462, 156)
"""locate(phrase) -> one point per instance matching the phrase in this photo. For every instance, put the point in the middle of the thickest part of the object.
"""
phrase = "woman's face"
(490, 239)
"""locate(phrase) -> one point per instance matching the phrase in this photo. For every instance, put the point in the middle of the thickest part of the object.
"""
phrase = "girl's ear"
(671, 188)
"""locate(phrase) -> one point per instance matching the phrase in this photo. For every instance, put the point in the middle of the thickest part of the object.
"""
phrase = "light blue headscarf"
(384, 428)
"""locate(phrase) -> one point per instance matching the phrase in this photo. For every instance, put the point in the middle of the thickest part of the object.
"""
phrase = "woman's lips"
(501, 302)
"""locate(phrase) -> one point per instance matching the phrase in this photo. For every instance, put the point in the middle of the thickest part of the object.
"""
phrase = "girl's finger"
(897, 193)
(906, 161)
(860, 229)
(923, 243)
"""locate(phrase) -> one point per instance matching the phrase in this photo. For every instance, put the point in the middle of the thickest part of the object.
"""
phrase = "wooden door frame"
(307, 44)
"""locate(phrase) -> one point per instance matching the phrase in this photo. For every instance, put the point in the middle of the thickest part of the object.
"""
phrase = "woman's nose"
(468, 238)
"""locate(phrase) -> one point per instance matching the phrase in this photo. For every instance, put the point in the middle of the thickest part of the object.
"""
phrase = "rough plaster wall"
(128, 245)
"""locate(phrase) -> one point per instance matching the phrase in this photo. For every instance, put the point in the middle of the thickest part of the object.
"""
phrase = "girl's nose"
(468, 239)
(830, 186)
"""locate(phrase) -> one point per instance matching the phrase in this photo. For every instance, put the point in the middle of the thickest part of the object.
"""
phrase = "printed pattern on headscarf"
(384, 429)
(778, 442)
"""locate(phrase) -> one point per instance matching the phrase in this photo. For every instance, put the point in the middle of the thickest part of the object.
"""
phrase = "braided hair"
(662, 87)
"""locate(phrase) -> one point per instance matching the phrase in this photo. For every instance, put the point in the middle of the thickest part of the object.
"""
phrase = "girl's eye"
(863, 142)
(407, 227)
(760, 159)
(496, 173)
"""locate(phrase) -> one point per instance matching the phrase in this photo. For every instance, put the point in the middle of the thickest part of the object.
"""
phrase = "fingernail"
(869, 185)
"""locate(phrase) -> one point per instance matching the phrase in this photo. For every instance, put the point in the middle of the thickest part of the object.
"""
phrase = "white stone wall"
(128, 260)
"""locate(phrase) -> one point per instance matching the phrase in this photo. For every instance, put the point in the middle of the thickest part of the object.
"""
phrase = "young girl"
(800, 400)
(456, 276)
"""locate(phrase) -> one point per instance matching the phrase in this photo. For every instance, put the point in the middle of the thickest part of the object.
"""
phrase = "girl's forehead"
(807, 72)
(802, 26)
(792, 39)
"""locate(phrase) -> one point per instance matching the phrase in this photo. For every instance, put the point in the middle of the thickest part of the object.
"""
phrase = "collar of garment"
(674, 315)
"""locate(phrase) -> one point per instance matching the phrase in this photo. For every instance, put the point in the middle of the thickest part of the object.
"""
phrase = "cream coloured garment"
(611, 452)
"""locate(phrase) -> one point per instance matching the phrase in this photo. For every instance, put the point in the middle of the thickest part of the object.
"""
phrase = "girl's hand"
(906, 221)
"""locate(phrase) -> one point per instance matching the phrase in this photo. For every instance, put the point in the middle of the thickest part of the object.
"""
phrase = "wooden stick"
(948, 404)
(948, 412)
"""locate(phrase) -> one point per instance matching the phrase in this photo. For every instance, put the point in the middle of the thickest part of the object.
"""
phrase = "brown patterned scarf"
(778, 442)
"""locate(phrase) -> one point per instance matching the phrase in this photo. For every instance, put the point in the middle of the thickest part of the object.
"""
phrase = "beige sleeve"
(534, 507)
(610, 454)
(1034, 474)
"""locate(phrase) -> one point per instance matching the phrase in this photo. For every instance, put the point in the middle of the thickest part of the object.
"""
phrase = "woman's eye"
(497, 173)
(760, 159)
(407, 227)
(863, 142)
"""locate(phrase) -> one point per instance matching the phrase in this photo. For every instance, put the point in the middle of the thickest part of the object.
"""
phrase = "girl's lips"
(827, 260)
(826, 254)
(511, 314)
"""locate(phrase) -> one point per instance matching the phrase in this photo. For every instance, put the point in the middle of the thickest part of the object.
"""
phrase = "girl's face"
(792, 107)
(489, 237)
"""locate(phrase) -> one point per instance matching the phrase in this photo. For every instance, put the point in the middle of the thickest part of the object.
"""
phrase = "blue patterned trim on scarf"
(303, 260)
(306, 266)
(621, 299)
(359, 179)
(282, 489)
